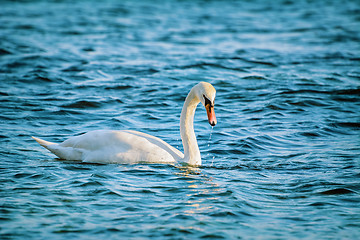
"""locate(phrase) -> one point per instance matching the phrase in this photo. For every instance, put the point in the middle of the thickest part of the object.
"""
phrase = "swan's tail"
(62, 152)
(43, 143)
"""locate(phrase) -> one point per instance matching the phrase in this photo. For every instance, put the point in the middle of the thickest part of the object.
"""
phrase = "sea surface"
(283, 162)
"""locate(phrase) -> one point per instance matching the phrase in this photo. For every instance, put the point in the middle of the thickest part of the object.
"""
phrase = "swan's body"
(110, 146)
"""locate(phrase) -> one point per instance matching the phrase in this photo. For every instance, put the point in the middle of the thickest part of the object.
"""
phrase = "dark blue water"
(282, 163)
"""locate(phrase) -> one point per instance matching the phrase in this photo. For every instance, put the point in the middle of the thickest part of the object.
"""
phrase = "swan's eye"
(207, 101)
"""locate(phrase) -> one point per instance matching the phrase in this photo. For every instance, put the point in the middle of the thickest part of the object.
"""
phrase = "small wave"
(66, 112)
(82, 104)
(4, 52)
(135, 70)
(73, 32)
(75, 68)
(259, 62)
(255, 61)
(321, 204)
(206, 65)
(254, 77)
(354, 91)
(38, 75)
(307, 103)
(119, 87)
(337, 191)
(224, 214)
(251, 144)
(225, 152)
(90, 184)
(310, 134)
(25, 27)
(353, 125)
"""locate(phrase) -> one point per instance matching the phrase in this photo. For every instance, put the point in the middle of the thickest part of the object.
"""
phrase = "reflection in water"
(202, 192)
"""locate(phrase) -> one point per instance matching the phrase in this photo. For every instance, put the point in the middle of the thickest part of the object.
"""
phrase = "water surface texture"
(282, 163)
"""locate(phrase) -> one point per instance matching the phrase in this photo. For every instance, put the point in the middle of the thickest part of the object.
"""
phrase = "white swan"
(109, 146)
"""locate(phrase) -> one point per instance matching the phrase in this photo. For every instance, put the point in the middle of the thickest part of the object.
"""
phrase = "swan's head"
(206, 94)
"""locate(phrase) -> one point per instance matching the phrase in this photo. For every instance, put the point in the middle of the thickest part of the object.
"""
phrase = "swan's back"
(108, 146)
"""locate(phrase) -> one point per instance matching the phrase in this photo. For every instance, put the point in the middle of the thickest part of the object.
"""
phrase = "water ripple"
(282, 162)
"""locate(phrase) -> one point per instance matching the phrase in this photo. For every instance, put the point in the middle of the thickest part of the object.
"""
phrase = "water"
(282, 163)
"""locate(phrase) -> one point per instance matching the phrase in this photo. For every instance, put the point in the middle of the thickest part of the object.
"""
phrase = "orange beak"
(211, 114)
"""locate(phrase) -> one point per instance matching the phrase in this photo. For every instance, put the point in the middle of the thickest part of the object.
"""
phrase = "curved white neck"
(191, 149)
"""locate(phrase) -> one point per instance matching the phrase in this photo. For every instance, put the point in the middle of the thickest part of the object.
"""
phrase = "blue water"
(283, 162)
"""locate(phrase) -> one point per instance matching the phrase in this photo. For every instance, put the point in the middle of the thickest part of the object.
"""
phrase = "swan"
(127, 146)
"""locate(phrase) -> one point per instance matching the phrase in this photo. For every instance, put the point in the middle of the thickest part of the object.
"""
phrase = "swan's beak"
(211, 114)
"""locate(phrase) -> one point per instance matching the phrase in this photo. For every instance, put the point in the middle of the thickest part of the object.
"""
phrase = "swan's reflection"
(203, 191)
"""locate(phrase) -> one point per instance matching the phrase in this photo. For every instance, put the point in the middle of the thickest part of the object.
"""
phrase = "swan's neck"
(191, 149)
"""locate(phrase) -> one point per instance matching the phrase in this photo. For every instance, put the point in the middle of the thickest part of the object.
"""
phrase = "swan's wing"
(176, 154)
(106, 146)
